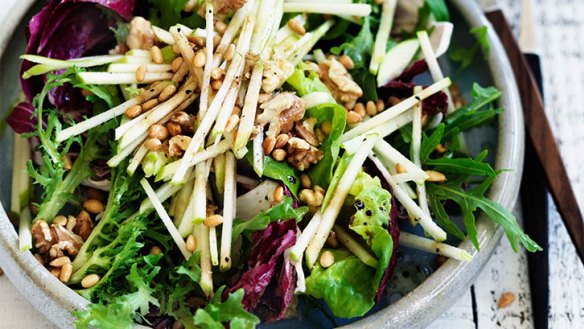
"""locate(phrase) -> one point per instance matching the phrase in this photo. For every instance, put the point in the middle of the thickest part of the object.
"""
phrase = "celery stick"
(354, 9)
(229, 206)
(110, 78)
(431, 246)
(382, 36)
(347, 240)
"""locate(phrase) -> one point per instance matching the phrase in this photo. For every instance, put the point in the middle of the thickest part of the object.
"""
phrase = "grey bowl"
(415, 310)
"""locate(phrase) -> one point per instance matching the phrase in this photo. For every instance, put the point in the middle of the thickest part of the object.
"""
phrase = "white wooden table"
(560, 29)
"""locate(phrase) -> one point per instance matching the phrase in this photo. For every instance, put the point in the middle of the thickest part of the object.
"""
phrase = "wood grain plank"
(459, 316)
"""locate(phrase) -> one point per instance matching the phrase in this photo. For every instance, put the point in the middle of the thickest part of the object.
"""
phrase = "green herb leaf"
(438, 9)
(166, 13)
(217, 313)
(282, 211)
(360, 47)
(464, 54)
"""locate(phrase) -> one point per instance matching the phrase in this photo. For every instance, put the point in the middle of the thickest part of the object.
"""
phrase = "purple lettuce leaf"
(21, 118)
(392, 228)
(269, 282)
(431, 105)
(414, 70)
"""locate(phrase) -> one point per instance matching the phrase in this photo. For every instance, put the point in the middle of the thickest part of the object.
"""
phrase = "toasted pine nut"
(175, 49)
(332, 240)
(216, 84)
(176, 63)
(158, 131)
(393, 101)
(279, 154)
(166, 93)
(213, 220)
(269, 144)
(279, 194)
(220, 27)
(93, 193)
(380, 105)
(149, 105)
(307, 196)
(90, 281)
(199, 59)
(153, 144)
(66, 271)
(190, 6)
(229, 53)
(236, 110)
(155, 250)
(506, 299)
(400, 169)
(282, 140)
(359, 108)
(326, 127)
(133, 111)
(327, 259)
(371, 108)
(60, 220)
(93, 206)
(58, 262)
(305, 181)
(296, 27)
(353, 117)
(141, 72)
(191, 243)
(232, 123)
(347, 62)
(440, 148)
(216, 73)
(86, 93)
(435, 176)
(55, 271)
(216, 40)
(156, 55)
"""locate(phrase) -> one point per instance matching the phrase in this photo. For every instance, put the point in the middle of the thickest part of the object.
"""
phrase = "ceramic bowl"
(414, 310)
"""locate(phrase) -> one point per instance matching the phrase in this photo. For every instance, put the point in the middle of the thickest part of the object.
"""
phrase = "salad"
(215, 163)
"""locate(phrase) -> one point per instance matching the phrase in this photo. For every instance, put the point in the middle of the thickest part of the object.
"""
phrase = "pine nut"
(55, 272)
(59, 262)
(216, 73)
(176, 63)
(393, 101)
(282, 140)
(332, 240)
(440, 148)
(191, 243)
(229, 53)
(327, 259)
(141, 72)
(305, 181)
(435, 176)
(318, 196)
(269, 144)
(232, 122)
(371, 108)
(216, 40)
(296, 27)
(353, 117)
(190, 6)
(67, 163)
(93, 193)
(216, 84)
(236, 110)
(90, 281)
(166, 93)
(72, 221)
(155, 250)
(156, 55)
(279, 155)
(66, 271)
(153, 144)
(505, 300)
(220, 27)
(199, 59)
(326, 127)
(86, 93)
(174, 128)
(158, 131)
(213, 220)
(133, 111)
(60, 220)
(149, 105)
(279, 194)
(175, 49)
(360, 109)
(400, 169)
(307, 196)
(347, 62)
(199, 41)
(380, 105)
(93, 206)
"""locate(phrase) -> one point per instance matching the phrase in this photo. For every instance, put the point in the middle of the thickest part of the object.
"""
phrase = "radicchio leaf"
(431, 105)
(21, 118)
(269, 282)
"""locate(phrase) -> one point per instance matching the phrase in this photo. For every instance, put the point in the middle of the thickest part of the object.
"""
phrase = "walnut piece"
(141, 35)
(83, 225)
(302, 155)
(54, 241)
(340, 82)
(305, 129)
(275, 74)
(281, 112)
(42, 236)
(178, 144)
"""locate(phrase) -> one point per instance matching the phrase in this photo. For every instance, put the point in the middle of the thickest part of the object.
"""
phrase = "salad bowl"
(415, 309)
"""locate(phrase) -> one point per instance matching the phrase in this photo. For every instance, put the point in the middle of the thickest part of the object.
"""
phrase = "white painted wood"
(459, 316)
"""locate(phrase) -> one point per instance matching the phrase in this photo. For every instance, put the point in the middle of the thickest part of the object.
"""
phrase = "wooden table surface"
(560, 26)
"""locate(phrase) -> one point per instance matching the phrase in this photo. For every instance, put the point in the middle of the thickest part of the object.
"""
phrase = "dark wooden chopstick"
(541, 135)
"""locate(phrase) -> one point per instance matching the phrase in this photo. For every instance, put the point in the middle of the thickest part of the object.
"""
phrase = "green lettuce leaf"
(282, 211)
(464, 55)
(305, 81)
(217, 313)
(166, 13)
(360, 47)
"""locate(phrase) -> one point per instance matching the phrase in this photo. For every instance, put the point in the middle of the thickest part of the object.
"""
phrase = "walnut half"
(281, 112)
(301, 154)
(340, 82)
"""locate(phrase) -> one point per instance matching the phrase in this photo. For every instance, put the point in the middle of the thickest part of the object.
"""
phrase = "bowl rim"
(414, 310)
